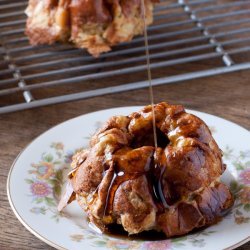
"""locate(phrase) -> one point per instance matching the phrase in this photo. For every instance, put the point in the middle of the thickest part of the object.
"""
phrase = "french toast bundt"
(96, 25)
(175, 188)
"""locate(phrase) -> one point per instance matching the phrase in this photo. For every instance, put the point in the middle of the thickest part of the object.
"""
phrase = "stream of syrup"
(156, 170)
(152, 171)
(151, 93)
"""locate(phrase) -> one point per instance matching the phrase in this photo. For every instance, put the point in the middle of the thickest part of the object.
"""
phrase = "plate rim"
(19, 217)
(51, 243)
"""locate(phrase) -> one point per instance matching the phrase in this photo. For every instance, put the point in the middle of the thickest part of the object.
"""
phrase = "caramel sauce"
(83, 12)
(118, 178)
(153, 173)
(117, 231)
(154, 178)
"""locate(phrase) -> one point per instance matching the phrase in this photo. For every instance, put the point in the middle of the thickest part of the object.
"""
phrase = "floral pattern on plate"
(47, 178)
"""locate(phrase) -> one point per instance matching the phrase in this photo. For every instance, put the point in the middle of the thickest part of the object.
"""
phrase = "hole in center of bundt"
(147, 139)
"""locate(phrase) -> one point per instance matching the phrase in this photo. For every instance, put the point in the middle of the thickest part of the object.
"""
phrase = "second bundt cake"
(96, 25)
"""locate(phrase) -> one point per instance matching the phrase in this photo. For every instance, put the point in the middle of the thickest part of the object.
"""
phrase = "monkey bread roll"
(123, 179)
(96, 25)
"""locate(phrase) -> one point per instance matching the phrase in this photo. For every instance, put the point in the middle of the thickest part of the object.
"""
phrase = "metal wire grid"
(213, 35)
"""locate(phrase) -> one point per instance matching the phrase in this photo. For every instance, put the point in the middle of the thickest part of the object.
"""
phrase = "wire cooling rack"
(210, 36)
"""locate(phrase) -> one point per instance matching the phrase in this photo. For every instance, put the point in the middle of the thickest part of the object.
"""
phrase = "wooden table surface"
(227, 96)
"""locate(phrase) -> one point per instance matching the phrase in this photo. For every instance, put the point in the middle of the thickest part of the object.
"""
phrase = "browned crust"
(206, 209)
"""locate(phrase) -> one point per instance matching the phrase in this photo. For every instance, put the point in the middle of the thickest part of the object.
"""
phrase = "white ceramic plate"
(39, 172)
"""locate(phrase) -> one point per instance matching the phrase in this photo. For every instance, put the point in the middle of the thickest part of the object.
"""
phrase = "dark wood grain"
(227, 96)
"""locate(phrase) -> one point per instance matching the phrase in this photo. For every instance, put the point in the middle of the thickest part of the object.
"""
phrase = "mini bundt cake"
(123, 179)
(96, 25)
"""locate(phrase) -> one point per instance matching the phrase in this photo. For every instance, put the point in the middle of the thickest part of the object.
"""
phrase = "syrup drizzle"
(151, 93)
(118, 178)
(152, 171)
